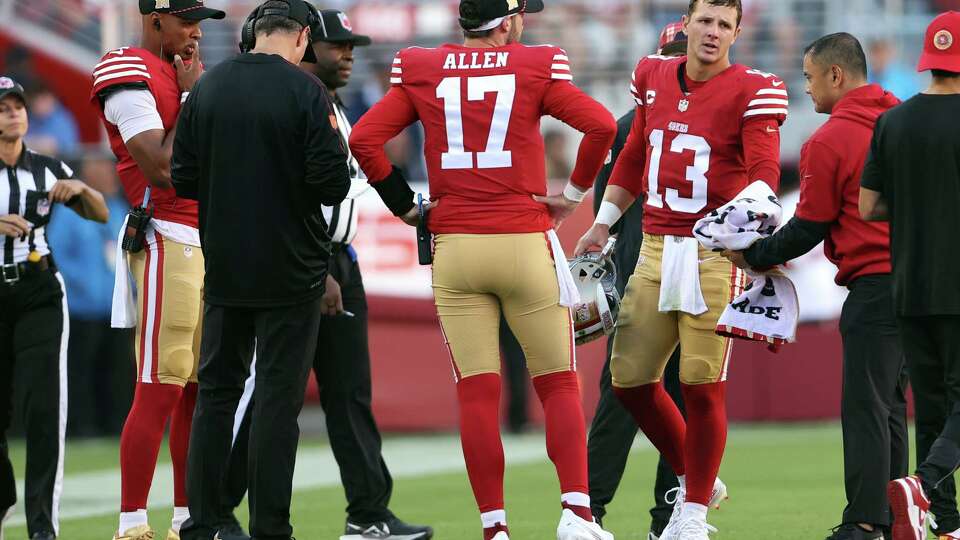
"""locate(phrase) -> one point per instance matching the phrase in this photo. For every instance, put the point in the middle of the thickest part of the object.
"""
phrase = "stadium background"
(52, 44)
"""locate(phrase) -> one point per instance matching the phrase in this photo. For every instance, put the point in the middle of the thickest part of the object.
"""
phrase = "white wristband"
(573, 193)
(183, 97)
(608, 214)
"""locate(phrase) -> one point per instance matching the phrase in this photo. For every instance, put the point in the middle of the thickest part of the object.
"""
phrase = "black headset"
(248, 35)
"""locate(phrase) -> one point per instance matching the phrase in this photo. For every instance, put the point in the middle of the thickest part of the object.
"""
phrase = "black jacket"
(257, 146)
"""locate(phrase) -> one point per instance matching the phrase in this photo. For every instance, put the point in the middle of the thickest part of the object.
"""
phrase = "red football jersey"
(696, 159)
(135, 66)
(481, 110)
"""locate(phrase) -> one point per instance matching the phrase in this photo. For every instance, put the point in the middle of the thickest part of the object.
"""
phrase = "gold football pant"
(169, 278)
(646, 338)
(476, 276)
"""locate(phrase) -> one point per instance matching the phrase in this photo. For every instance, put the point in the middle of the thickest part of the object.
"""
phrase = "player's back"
(480, 109)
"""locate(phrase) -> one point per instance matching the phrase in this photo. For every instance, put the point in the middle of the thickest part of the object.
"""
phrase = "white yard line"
(98, 493)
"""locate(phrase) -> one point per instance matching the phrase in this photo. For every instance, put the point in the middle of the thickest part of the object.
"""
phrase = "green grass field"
(785, 484)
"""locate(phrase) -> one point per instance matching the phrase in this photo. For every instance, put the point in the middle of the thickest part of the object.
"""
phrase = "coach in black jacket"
(257, 146)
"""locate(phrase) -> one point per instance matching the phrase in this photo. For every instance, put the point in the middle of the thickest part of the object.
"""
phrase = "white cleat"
(679, 495)
(500, 536)
(651, 536)
(573, 527)
(693, 528)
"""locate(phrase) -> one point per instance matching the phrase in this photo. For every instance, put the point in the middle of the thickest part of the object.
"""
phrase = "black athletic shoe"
(44, 535)
(391, 529)
(223, 536)
(850, 531)
(232, 527)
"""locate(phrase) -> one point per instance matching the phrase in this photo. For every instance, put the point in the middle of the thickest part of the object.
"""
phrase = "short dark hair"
(477, 34)
(840, 49)
(723, 3)
(944, 74)
(268, 24)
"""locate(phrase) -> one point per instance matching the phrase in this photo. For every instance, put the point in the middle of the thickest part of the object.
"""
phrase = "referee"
(912, 180)
(257, 147)
(342, 363)
(34, 326)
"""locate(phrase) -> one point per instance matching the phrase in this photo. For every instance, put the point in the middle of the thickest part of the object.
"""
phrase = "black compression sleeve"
(395, 192)
(797, 237)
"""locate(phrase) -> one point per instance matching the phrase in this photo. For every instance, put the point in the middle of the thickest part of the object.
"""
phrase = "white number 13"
(477, 88)
(696, 174)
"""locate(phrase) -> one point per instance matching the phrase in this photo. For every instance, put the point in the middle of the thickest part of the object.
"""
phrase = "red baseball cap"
(941, 46)
(671, 32)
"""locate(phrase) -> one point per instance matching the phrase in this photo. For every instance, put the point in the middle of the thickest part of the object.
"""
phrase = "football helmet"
(596, 276)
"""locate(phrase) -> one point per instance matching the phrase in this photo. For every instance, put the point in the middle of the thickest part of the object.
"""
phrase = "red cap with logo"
(671, 32)
(941, 46)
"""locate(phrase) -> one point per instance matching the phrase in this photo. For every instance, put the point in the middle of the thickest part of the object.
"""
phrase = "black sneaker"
(850, 531)
(43, 535)
(223, 536)
(232, 527)
(391, 529)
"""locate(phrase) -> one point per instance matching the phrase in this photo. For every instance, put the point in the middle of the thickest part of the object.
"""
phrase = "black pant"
(102, 367)
(932, 347)
(873, 409)
(611, 437)
(286, 343)
(33, 366)
(342, 369)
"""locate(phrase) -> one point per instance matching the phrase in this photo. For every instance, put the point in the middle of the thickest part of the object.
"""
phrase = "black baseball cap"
(298, 10)
(476, 13)
(10, 87)
(335, 26)
(192, 10)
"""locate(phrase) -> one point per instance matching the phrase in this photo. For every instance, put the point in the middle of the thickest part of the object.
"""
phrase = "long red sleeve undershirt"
(384, 121)
(572, 106)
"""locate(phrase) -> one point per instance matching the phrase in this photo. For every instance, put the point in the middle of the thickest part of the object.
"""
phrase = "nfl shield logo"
(684, 105)
(345, 21)
(43, 207)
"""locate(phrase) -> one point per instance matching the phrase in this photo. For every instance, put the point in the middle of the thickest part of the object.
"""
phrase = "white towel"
(569, 294)
(768, 308)
(680, 276)
(766, 311)
(124, 310)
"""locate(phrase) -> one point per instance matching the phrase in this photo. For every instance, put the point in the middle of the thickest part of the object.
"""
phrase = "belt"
(11, 273)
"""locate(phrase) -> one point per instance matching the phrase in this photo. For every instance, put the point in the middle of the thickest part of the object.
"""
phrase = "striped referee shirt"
(23, 190)
(342, 219)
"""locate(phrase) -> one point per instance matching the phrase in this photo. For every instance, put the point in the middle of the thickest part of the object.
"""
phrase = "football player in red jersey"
(138, 91)
(495, 250)
(704, 130)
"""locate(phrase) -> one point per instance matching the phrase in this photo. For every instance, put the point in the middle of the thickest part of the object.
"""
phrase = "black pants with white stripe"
(33, 374)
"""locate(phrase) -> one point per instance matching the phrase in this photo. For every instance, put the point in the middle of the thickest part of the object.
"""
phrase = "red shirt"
(831, 164)
(481, 109)
(690, 153)
(135, 66)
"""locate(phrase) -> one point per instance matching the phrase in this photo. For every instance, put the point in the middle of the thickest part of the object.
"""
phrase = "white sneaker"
(693, 528)
(573, 527)
(679, 495)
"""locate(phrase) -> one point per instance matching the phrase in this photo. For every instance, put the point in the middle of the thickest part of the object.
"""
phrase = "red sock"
(566, 435)
(180, 423)
(479, 397)
(140, 441)
(707, 417)
(659, 418)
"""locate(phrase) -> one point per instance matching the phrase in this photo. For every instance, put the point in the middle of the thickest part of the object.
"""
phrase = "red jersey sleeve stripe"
(119, 67)
(118, 59)
(758, 112)
(560, 67)
(771, 92)
(756, 102)
(561, 76)
(560, 58)
(129, 74)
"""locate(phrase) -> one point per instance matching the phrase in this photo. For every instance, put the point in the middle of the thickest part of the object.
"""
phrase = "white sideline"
(98, 493)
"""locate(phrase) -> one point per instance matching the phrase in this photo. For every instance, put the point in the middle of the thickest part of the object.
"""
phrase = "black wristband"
(395, 192)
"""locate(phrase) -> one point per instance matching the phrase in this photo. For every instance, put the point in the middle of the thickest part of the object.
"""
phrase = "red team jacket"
(131, 66)
(831, 164)
(481, 109)
(691, 153)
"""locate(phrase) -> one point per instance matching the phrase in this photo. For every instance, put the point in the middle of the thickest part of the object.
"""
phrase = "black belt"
(11, 273)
